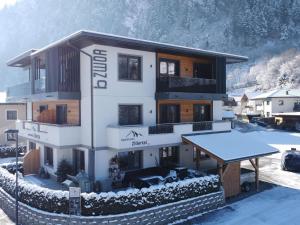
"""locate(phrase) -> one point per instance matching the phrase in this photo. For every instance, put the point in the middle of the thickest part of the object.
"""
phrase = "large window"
(130, 67)
(202, 70)
(169, 67)
(48, 156)
(11, 115)
(169, 113)
(130, 160)
(43, 108)
(79, 161)
(130, 114)
(201, 112)
(169, 156)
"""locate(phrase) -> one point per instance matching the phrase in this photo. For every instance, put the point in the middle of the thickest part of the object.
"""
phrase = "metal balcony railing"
(186, 84)
(205, 125)
(161, 129)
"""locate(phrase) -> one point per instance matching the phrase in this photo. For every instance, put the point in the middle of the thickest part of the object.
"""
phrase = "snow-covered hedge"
(109, 203)
(11, 167)
(10, 151)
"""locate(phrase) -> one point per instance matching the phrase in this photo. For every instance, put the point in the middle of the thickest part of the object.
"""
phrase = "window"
(61, 114)
(280, 102)
(268, 102)
(130, 114)
(32, 145)
(130, 160)
(169, 113)
(169, 67)
(130, 67)
(43, 108)
(48, 156)
(169, 156)
(201, 112)
(268, 114)
(202, 70)
(11, 115)
(78, 161)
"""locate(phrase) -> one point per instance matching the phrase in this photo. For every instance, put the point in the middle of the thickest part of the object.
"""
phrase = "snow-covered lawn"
(277, 206)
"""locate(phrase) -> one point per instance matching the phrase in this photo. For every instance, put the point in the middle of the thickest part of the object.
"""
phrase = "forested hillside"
(267, 31)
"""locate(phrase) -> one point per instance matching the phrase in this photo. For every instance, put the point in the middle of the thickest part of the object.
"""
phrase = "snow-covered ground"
(4, 220)
(277, 206)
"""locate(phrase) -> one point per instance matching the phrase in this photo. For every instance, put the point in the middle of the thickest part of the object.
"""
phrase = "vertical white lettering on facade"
(100, 68)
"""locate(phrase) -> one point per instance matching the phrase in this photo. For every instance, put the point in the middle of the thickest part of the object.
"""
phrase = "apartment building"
(93, 96)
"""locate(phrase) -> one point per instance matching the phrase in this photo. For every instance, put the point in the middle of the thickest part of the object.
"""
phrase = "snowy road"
(277, 206)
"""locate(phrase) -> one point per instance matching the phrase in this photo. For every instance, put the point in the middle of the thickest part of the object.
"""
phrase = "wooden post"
(220, 171)
(257, 173)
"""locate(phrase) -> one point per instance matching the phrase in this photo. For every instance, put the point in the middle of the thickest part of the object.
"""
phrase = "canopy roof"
(230, 146)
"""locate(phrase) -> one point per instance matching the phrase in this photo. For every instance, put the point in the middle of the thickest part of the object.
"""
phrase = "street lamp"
(12, 135)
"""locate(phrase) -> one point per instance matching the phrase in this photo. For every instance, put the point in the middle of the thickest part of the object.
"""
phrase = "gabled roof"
(292, 93)
(85, 38)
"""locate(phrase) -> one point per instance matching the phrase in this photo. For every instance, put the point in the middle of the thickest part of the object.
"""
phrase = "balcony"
(123, 137)
(39, 86)
(58, 135)
(186, 84)
(21, 91)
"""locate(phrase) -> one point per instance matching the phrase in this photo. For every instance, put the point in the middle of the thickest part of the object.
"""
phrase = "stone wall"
(164, 214)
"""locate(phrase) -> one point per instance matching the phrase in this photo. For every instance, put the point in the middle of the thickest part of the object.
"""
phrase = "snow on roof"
(228, 114)
(105, 36)
(292, 93)
(231, 146)
(287, 114)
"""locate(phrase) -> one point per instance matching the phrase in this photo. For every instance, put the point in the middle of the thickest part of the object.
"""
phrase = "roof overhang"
(86, 38)
(21, 60)
(228, 147)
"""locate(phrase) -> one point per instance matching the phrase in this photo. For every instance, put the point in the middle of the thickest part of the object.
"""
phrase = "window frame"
(8, 110)
(140, 58)
(141, 114)
(177, 70)
(161, 106)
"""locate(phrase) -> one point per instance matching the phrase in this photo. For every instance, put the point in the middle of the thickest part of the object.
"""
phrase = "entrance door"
(78, 160)
(61, 114)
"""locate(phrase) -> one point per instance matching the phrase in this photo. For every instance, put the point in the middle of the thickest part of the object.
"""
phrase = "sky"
(4, 3)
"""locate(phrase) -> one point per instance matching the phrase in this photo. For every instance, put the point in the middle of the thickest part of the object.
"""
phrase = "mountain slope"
(262, 30)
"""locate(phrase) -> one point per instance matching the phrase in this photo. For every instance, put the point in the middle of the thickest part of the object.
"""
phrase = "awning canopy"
(229, 146)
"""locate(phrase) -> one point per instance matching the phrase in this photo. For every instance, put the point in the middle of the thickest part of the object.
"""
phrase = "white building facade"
(279, 101)
(94, 97)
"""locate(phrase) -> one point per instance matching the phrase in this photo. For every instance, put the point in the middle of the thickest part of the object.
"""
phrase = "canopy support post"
(256, 168)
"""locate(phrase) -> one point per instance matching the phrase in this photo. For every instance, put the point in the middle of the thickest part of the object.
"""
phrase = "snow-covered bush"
(109, 203)
(10, 151)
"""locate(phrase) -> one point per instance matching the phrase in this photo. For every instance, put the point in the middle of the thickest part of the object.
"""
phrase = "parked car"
(290, 160)
(247, 179)
(132, 178)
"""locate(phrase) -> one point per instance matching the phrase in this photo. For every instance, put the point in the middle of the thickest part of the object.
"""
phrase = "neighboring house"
(238, 104)
(278, 101)
(95, 97)
(10, 112)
